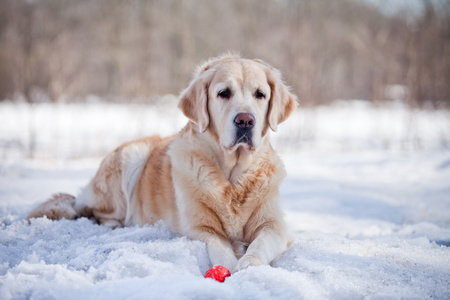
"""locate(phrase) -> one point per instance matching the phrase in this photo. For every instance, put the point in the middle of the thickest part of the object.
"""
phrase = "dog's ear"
(194, 99)
(282, 101)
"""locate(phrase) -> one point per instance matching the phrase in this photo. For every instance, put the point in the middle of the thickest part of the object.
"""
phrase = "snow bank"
(370, 220)
(363, 126)
(68, 131)
(80, 260)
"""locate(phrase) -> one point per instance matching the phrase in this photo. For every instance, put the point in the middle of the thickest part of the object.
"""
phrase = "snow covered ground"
(367, 199)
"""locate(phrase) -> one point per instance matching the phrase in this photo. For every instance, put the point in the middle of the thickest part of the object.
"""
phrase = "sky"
(395, 6)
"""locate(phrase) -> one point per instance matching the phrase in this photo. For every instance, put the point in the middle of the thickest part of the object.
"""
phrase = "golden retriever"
(216, 181)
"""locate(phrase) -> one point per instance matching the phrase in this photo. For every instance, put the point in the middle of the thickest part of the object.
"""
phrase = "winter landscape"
(367, 192)
(367, 199)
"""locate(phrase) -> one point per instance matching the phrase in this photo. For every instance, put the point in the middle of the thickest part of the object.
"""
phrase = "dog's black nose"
(244, 120)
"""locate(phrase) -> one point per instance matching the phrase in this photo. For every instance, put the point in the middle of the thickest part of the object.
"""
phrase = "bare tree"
(346, 49)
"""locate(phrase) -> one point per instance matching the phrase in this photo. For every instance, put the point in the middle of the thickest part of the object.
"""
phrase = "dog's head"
(237, 100)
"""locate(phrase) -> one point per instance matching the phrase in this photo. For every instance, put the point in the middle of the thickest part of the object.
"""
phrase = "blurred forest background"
(136, 50)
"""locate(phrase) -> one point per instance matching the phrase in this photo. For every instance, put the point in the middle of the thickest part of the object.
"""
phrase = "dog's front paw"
(248, 261)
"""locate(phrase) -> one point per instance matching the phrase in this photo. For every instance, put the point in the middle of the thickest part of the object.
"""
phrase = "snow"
(367, 199)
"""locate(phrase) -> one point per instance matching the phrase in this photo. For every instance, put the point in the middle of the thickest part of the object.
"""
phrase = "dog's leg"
(58, 207)
(268, 244)
(221, 253)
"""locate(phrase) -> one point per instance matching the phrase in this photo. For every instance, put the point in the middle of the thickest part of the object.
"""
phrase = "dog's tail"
(59, 206)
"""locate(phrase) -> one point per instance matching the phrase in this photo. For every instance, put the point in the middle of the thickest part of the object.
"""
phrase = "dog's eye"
(260, 95)
(225, 94)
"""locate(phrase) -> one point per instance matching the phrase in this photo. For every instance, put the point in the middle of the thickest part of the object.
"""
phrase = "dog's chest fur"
(244, 197)
(234, 200)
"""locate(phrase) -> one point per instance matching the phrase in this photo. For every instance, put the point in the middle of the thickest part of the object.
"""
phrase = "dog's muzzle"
(244, 122)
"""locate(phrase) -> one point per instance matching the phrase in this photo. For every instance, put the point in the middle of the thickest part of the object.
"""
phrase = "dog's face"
(237, 100)
(239, 97)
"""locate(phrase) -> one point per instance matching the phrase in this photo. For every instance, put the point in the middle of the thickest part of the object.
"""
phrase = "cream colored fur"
(204, 182)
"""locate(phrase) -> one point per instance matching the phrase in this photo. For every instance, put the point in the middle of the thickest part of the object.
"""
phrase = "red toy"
(218, 273)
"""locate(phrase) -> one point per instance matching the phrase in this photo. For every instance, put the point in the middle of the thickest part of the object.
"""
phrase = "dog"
(216, 181)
